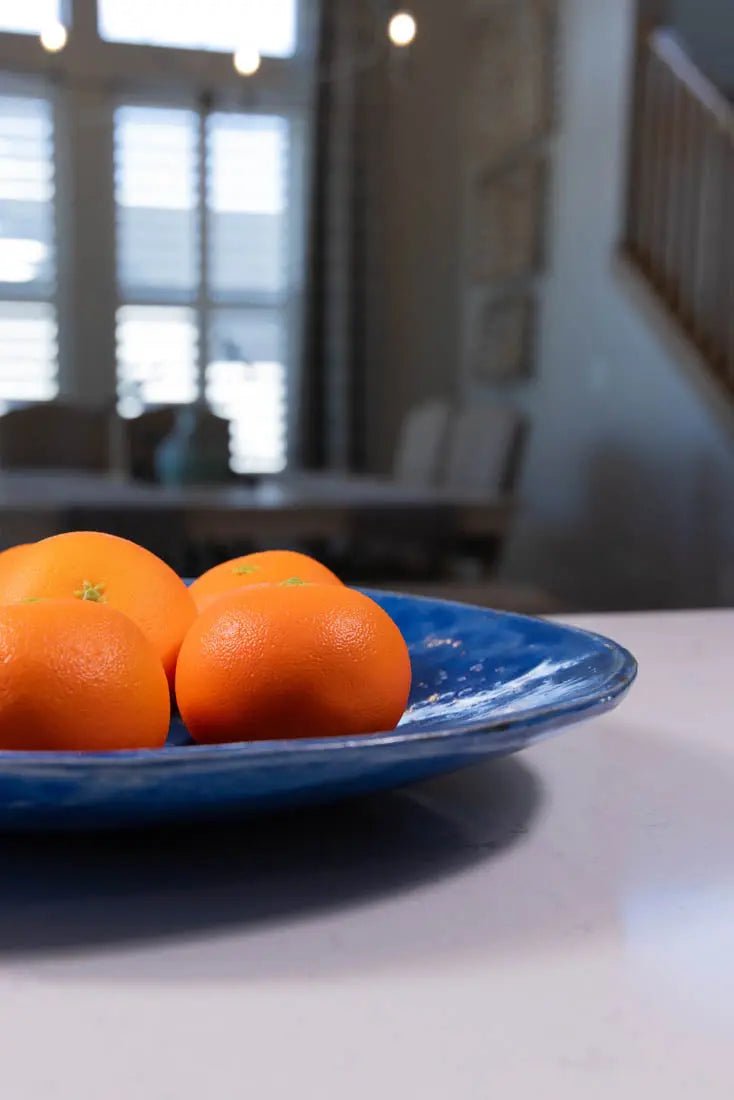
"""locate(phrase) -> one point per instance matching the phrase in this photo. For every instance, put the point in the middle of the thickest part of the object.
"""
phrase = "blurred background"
(443, 295)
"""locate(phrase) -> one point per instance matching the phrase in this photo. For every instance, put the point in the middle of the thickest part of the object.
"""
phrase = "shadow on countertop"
(115, 892)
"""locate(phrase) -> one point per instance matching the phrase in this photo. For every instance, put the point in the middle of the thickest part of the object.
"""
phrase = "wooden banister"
(680, 218)
(665, 44)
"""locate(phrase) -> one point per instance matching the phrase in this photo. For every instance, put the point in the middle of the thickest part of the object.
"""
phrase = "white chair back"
(482, 448)
(422, 445)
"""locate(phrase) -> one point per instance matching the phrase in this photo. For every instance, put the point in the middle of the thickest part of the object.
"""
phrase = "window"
(157, 199)
(28, 16)
(246, 204)
(156, 356)
(239, 301)
(246, 382)
(222, 25)
(28, 352)
(180, 222)
(247, 158)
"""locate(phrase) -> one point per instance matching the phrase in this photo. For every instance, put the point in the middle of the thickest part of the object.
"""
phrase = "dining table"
(559, 924)
(289, 507)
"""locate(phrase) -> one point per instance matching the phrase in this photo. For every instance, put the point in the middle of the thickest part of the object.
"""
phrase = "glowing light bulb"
(402, 28)
(247, 60)
(54, 37)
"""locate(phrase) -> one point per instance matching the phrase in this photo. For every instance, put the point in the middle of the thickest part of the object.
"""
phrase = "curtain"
(343, 307)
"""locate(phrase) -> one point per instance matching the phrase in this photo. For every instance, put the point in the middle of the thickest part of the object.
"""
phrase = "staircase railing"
(680, 222)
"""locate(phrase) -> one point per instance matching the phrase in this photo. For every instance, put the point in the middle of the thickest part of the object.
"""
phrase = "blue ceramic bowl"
(484, 684)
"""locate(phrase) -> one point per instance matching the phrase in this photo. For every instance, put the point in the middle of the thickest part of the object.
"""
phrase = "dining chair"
(382, 544)
(55, 435)
(483, 452)
(485, 449)
(421, 444)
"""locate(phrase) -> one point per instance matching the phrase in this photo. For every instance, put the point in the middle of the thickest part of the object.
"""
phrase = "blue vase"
(195, 451)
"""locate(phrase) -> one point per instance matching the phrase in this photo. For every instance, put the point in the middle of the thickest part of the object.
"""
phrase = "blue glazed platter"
(485, 684)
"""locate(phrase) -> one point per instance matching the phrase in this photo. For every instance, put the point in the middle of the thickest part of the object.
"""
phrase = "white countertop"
(559, 925)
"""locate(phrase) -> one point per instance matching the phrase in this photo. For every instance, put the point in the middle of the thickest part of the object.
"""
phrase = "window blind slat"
(28, 351)
(247, 200)
(156, 194)
(28, 337)
(156, 356)
(26, 192)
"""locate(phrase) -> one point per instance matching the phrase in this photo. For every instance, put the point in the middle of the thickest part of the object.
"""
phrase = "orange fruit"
(9, 558)
(265, 567)
(78, 676)
(91, 566)
(300, 661)
(11, 552)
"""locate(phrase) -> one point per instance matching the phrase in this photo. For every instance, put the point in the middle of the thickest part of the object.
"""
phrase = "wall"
(628, 488)
(508, 84)
(707, 27)
(422, 222)
(463, 185)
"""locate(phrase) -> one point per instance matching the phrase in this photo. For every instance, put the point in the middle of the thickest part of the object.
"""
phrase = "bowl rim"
(586, 704)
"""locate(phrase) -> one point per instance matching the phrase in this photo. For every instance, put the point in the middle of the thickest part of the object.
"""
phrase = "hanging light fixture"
(54, 36)
(402, 29)
(246, 60)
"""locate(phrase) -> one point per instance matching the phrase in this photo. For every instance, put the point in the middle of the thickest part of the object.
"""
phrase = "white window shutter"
(156, 193)
(156, 357)
(28, 329)
(242, 301)
(249, 222)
